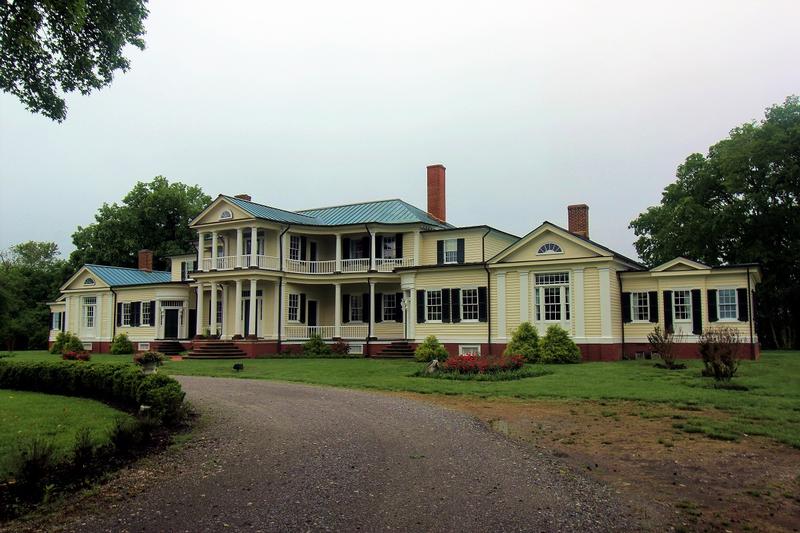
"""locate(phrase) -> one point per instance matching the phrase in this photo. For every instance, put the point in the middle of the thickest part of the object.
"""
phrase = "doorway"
(246, 316)
(171, 323)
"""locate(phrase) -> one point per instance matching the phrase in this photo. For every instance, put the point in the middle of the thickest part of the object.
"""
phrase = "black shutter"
(303, 308)
(378, 246)
(446, 306)
(668, 311)
(303, 245)
(136, 316)
(627, 303)
(152, 313)
(366, 307)
(345, 248)
(455, 305)
(378, 307)
(652, 299)
(483, 304)
(398, 246)
(741, 298)
(697, 312)
(439, 252)
(421, 306)
(712, 305)
(365, 246)
(345, 308)
(63, 322)
(51, 321)
(119, 314)
(398, 307)
(460, 250)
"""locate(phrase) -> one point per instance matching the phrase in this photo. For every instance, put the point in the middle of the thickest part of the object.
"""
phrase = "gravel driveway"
(283, 457)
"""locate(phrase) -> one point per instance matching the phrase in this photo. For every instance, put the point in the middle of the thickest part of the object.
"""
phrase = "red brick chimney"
(146, 260)
(436, 193)
(578, 217)
(243, 197)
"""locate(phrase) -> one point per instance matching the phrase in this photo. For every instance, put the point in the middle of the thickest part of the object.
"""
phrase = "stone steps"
(396, 350)
(215, 350)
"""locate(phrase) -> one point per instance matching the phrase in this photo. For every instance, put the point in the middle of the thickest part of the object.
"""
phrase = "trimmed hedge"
(122, 385)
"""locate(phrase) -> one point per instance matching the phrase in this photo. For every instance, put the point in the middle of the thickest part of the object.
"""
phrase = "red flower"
(481, 364)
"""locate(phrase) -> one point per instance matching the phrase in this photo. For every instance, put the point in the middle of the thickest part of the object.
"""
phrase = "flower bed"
(482, 368)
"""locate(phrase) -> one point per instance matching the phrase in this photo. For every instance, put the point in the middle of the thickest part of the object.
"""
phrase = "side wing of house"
(85, 302)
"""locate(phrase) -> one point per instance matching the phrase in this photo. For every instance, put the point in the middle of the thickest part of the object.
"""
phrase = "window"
(727, 305)
(146, 312)
(433, 305)
(551, 296)
(356, 308)
(389, 247)
(294, 307)
(56, 321)
(550, 248)
(389, 307)
(682, 303)
(294, 247)
(88, 281)
(640, 307)
(225, 215)
(469, 349)
(469, 304)
(451, 251)
(126, 314)
(219, 312)
(89, 311)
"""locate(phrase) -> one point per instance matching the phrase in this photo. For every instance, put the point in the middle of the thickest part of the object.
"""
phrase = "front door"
(246, 316)
(171, 323)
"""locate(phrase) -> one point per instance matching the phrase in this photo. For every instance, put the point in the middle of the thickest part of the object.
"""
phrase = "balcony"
(230, 262)
(347, 331)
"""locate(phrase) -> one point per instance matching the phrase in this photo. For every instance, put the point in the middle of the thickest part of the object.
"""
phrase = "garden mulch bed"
(706, 484)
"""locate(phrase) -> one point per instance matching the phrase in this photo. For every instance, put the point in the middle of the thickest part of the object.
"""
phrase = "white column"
(253, 296)
(159, 328)
(523, 297)
(337, 311)
(224, 309)
(212, 312)
(372, 306)
(605, 301)
(214, 236)
(239, 238)
(501, 305)
(237, 328)
(338, 253)
(253, 245)
(411, 314)
(201, 245)
(285, 246)
(577, 308)
(373, 252)
(276, 312)
(200, 309)
(67, 302)
(416, 248)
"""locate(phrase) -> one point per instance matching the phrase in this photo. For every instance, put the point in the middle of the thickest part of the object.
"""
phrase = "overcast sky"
(530, 106)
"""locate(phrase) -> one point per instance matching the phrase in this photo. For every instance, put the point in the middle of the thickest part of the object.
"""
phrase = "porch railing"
(388, 265)
(326, 332)
(267, 262)
(311, 267)
(355, 265)
(227, 262)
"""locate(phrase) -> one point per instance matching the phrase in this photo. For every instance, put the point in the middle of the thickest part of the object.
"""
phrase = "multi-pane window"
(389, 307)
(551, 296)
(389, 247)
(57, 320)
(433, 305)
(469, 349)
(146, 312)
(727, 304)
(356, 308)
(549, 248)
(451, 251)
(682, 304)
(469, 304)
(126, 314)
(219, 312)
(294, 247)
(640, 306)
(294, 307)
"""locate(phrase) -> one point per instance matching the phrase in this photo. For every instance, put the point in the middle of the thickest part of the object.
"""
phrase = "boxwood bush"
(121, 385)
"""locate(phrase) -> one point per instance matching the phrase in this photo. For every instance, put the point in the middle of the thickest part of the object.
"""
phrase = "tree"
(51, 48)
(153, 215)
(739, 204)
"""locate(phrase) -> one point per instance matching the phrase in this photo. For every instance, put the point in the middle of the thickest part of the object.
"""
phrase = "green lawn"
(28, 415)
(771, 407)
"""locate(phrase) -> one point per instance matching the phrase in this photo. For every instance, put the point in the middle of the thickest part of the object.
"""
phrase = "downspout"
(750, 316)
(488, 292)
(280, 285)
(622, 303)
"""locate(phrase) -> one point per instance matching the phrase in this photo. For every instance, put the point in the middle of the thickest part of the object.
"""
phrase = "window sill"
(433, 321)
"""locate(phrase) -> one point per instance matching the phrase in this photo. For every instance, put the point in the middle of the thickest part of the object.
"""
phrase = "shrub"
(163, 395)
(316, 347)
(663, 343)
(149, 358)
(341, 347)
(557, 347)
(75, 356)
(66, 342)
(34, 462)
(58, 344)
(482, 364)
(429, 350)
(525, 342)
(121, 345)
(719, 348)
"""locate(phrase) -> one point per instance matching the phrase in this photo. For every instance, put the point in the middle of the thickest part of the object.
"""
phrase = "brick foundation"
(691, 350)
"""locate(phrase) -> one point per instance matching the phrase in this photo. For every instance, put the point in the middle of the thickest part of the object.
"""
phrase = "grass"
(770, 406)
(25, 416)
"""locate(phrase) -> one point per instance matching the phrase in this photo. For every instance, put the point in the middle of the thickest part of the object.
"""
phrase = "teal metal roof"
(380, 212)
(120, 276)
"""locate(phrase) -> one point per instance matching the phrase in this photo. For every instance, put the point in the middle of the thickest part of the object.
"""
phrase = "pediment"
(83, 279)
(220, 210)
(680, 264)
(549, 242)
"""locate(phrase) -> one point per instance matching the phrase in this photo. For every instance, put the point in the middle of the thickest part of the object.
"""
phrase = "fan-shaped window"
(88, 281)
(225, 215)
(550, 248)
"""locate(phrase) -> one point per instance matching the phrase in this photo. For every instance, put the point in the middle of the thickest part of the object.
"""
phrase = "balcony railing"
(355, 265)
(311, 267)
(388, 265)
(266, 262)
(326, 332)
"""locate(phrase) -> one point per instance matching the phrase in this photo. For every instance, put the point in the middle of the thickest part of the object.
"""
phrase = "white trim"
(736, 304)
(501, 306)
(462, 349)
(605, 301)
(577, 312)
(461, 304)
(524, 291)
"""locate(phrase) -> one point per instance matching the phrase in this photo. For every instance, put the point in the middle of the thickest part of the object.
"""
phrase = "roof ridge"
(301, 211)
(267, 206)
